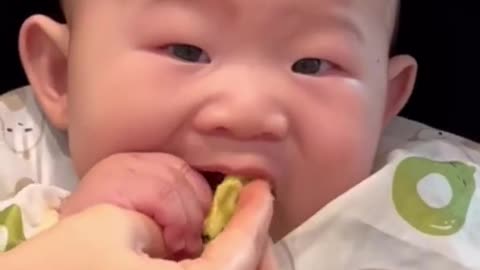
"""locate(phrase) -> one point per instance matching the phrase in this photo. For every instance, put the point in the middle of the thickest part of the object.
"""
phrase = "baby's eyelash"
(312, 66)
(187, 53)
(193, 54)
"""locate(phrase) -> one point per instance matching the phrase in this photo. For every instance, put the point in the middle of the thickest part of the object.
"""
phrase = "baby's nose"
(242, 115)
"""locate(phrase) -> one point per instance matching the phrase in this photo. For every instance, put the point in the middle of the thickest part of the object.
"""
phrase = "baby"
(161, 98)
(295, 92)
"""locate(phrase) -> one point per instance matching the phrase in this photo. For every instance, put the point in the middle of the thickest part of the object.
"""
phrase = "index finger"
(242, 244)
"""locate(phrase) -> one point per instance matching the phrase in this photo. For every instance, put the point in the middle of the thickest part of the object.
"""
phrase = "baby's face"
(294, 91)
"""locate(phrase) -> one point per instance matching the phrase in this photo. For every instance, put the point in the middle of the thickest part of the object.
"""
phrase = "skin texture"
(123, 237)
(160, 186)
(119, 89)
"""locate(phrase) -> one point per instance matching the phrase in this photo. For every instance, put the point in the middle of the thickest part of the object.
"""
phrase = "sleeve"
(30, 211)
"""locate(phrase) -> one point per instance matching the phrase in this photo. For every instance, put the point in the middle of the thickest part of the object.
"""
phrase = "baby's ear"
(43, 46)
(402, 74)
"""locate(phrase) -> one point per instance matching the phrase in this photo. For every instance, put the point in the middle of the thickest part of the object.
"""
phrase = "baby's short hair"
(64, 8)
(396, 26)
(62, 4)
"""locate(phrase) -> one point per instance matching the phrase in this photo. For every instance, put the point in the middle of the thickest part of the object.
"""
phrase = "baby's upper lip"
(252, 172)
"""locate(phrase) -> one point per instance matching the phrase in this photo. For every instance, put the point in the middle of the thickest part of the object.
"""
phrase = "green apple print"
(443, 221)
(11, 219)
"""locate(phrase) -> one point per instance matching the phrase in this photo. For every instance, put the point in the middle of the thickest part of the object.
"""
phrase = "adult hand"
(245, 243)
(106, 237)
(99, 238)
(160, 186)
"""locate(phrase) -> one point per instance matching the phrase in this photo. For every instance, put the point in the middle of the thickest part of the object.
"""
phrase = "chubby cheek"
(126, 105)
(336, 144)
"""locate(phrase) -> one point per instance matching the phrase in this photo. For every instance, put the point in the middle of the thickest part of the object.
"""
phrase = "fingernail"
(174, 240)
(195, 246)
(192, 250)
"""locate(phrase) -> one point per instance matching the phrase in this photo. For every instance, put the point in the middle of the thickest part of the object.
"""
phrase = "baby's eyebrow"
(152, 2)
(227, 6)
(147, 3)
(334, 21)
(345, 23)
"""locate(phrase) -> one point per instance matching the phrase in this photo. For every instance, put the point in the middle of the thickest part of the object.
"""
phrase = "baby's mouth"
(213, 178)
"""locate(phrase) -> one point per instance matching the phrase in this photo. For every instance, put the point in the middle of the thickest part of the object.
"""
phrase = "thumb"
(145, 236)
(248, 230)
(268, 262)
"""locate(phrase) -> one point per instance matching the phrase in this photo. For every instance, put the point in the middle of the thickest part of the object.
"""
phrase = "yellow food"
(224, 203)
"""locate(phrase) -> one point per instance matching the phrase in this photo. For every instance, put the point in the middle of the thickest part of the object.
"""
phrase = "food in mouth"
(225, 200)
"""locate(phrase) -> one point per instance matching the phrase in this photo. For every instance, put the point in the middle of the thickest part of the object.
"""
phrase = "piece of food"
(224, 203)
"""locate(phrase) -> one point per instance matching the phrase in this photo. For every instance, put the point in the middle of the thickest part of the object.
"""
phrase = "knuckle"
(171, 210)
(179, 164)
(167, 192)
(123, 162)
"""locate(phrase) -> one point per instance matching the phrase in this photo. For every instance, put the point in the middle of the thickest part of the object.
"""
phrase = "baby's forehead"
(354, 16)
(318, 7)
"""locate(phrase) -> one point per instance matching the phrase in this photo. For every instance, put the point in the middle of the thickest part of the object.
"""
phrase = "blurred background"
(441, 35)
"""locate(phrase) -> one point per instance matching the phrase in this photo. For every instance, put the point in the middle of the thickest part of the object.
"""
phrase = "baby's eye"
(311, 66)
(188, 53)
